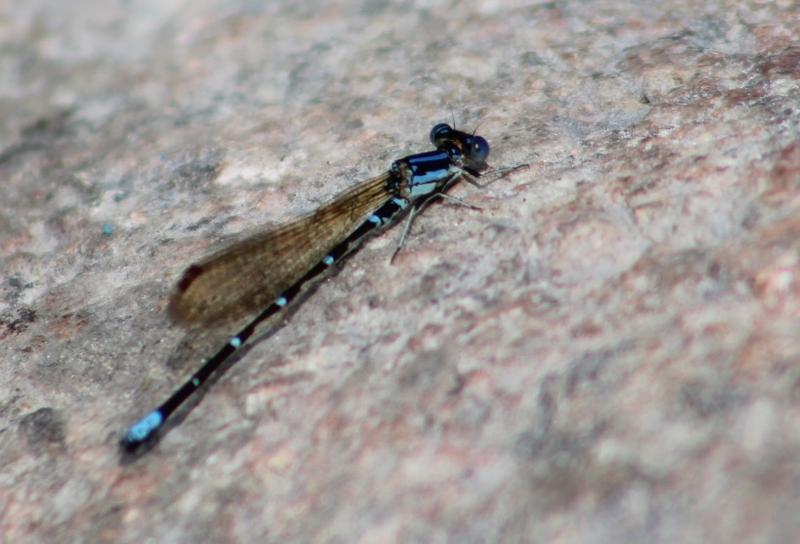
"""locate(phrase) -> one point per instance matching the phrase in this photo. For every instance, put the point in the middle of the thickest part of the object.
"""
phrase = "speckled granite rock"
(608, 352)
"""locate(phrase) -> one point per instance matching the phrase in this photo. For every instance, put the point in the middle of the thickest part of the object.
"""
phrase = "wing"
(248, 275)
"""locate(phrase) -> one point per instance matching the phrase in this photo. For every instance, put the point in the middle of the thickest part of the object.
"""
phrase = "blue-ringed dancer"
(260, 275)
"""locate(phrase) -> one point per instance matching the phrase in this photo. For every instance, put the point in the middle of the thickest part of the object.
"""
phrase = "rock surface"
(608, 352)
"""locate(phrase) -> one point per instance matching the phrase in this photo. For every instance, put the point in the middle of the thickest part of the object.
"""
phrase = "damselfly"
(265, 272)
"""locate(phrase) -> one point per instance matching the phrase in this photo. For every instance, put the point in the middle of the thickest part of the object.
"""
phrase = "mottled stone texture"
(608, 352)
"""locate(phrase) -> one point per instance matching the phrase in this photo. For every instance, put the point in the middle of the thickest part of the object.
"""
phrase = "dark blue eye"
(478, 149)
(442, 130)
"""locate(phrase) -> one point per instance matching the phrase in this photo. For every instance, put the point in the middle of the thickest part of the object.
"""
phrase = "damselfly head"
(470, 150)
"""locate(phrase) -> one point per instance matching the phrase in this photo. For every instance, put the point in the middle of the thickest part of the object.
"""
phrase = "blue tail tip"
(142, 430)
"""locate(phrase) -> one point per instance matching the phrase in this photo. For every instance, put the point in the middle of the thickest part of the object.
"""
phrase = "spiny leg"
(456, 200)
(497, 173)
(406, 228)
(418, 208)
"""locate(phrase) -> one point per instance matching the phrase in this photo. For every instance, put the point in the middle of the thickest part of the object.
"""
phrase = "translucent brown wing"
(247, 276)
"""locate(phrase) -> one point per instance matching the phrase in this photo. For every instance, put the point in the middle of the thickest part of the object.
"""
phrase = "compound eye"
(440, 131)
(478, 149)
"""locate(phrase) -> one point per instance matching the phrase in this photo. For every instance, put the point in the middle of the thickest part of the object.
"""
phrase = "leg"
(406, 227)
